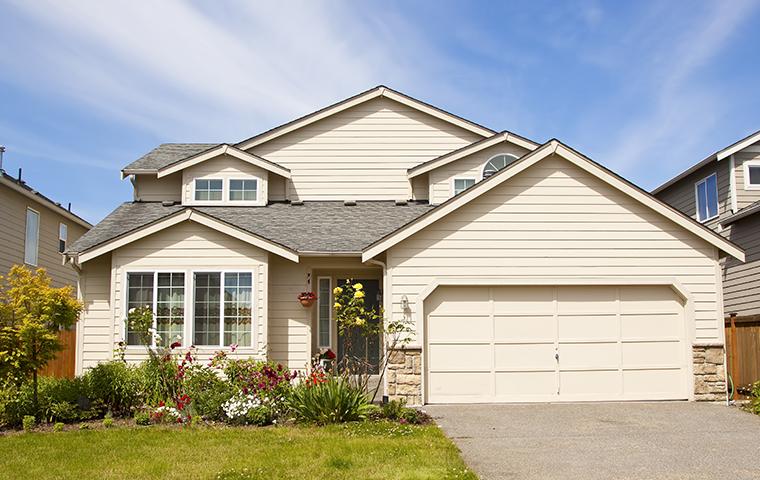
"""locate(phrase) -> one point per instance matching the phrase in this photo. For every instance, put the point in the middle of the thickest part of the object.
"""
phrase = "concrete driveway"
(667, 440)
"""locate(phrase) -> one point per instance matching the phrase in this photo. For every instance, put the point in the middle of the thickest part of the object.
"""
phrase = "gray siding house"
(723, 192)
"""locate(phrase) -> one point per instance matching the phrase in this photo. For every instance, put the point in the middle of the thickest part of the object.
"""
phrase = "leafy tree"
(31, 314)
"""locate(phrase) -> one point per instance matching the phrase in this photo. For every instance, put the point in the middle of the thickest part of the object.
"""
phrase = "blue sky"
(646, 88)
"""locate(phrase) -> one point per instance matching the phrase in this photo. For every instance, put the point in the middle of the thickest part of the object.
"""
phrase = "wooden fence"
(743, 349)
(63, 364)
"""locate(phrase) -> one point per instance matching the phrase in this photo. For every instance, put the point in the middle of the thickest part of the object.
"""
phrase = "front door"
(364, 347)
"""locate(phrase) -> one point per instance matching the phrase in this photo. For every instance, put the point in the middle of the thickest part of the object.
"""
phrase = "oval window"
(497, 163)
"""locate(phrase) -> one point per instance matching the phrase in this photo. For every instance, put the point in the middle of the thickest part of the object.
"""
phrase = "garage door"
(546, 343)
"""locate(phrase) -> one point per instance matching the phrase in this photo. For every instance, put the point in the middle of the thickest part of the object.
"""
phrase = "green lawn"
(365, 450)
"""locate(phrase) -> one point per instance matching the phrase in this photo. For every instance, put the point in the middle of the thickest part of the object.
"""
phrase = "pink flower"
(233, 347)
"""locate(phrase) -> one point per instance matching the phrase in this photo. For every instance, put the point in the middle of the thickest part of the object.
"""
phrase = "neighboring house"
(528, 272)
(35, 230)
(723, 192)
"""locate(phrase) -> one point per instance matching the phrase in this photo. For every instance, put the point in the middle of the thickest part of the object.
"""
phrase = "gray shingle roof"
(327, 226)
(168, 153)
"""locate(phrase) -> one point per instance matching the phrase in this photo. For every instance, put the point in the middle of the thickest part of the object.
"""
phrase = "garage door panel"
(589, 327)
(465, 357)
(648, 325)
(524, 356)
(525, 384)
(589, 355)
(654, 354)
(462, 328)
(653, 384)
(585, 300)
(460, 384)
(523, 300)
(606, 383)
(516, 328)
(461, 300)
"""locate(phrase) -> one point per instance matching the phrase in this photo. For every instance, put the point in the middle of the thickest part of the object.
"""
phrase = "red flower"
(175, 345)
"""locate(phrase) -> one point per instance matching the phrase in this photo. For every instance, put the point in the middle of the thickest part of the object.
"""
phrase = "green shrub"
(374, 412)
(59, 400)
(159, 380)
(262, 379)
(58, 427)
(207, 391)
(261, 416)
(108, 422)
(29, 422)
(754, 402)
(335, 400)
(115, 387)
(84, 426)
(142, 418)
(394, 409)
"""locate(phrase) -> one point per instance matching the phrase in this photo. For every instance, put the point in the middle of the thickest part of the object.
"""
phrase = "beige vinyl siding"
(289, 322)
(363, 152)
(189, 247)
(555, 220)
(471, 166)
(225, 167)
(682, 194)
(95, 335)
(150, 188)
(13, 206)
(745, 197)
(741, 281)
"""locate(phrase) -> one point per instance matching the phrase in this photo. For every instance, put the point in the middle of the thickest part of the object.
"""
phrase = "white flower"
(239, 406)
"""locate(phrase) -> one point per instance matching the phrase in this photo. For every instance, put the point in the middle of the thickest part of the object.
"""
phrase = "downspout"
(387, 307)
(732, 184)
(133, 181)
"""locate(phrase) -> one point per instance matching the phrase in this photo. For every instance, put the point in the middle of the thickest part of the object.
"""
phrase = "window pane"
(170, 307)
(325, 309)
(139, 294)
(32, 237)
(712, 196)
(462, 184)
(754, 175)
(215, 195)
(206, 311)
(209, 189)
(238, 304)
(244, 190)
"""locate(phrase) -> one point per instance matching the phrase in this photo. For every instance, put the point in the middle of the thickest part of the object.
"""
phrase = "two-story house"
(723, 193)
(35, 231)
(527, 271)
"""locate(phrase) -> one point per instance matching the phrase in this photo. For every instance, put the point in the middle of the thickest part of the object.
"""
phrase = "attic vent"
(297, 203)
(349, 203)
(400, 203)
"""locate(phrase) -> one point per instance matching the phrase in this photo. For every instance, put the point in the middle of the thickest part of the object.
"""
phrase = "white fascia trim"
(732, 184)
(219, 151)
(554, 146)
(745, 166)
(136, 171)
(46, 203)
(741, 145)
(181, 217)
(374, 93)
(472, 149)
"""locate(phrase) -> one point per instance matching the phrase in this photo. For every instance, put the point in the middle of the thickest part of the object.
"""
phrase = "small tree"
(351, 315)
(31, 314)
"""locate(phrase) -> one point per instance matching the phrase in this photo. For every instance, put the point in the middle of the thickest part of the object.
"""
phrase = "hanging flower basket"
(307, 299)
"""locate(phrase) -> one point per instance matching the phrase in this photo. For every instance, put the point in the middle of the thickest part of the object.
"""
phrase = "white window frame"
(63, 236)
(243, 202)
(454, 183)
(224, 190)
(483, 168)
(747, 185)
(154, 306)
(330, 315)
(696, 198)
(36, 240)
(254, 316)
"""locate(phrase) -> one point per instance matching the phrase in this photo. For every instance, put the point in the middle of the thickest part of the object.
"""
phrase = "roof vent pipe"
(2, 151)
(19, 175)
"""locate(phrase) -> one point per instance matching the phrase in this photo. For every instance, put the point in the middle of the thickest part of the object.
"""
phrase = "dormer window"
(208, 190)
(243, 190)
(498, 162)
(752, 175)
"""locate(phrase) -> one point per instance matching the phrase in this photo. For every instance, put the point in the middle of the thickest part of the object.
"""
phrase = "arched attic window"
(497, 162)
